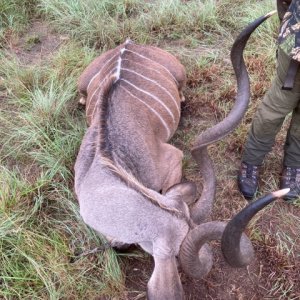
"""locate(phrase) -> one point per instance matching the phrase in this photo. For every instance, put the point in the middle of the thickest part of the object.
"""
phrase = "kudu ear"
(187, 191)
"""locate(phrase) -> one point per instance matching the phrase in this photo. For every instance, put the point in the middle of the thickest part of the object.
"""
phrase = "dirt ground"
(223, 282)
(37, 44)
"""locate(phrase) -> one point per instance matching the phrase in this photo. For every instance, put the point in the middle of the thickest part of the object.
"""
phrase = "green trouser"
(268, 119)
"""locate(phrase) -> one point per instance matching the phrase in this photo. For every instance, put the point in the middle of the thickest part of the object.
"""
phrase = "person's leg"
(270, 114)
(266, 123)
(291, 162)
(292, 143)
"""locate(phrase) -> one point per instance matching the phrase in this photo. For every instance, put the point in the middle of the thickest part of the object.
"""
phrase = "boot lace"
(251, 171)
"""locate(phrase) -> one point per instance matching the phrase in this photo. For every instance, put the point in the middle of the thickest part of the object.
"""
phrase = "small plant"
(14, 17)
(31, 41)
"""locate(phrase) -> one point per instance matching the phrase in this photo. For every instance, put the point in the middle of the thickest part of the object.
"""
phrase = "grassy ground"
(43, 240)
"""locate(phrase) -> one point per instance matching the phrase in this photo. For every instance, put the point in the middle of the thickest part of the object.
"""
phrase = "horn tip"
(82, 100)
(281, 193)
(271, 13)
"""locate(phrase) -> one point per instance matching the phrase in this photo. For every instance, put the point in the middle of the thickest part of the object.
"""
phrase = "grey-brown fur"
(125, 161)
(139, 134)
(136, 142)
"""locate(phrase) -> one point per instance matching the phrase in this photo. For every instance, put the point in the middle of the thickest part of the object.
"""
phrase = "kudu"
(127, 177)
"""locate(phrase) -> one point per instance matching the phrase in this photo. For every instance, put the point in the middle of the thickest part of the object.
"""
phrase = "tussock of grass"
(234, 17)
(93, 22)
(17, 80)
(166, 19)
(108, 23)
(71, 59)
(48, 135)
(40, 227)
(14, 17)
(38, 220)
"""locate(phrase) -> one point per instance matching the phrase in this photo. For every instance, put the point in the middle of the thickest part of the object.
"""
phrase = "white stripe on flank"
(101, 70)
(97, 89)
(145, 57)
(152, 109)
(152, 69)
(155, 82)
(152, 96)
(119, 65)
(118, 68)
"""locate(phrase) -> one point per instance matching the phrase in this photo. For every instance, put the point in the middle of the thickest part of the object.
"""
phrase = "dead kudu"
(127, 177)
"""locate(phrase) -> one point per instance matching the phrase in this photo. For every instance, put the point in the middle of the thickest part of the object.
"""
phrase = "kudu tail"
(201, 211)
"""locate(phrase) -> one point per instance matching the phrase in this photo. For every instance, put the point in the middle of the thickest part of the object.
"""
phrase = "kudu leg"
(165, 282)
(171, 158)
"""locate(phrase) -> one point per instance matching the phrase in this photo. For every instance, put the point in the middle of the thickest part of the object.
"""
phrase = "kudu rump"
(127, 177)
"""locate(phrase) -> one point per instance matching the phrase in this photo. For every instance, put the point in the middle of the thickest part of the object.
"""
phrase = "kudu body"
(127, 177)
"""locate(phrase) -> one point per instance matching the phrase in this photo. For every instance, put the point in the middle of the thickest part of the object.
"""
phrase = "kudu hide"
(127, 176)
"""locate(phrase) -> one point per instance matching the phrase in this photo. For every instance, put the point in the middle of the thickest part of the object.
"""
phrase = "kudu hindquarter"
(127, 177)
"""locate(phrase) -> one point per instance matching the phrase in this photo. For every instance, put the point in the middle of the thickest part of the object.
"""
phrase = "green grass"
(14, 17)
(40, 226)
(107, 23)
(41, 232)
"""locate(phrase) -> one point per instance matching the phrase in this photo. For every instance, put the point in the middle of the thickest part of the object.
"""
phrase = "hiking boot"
(290, 178)
(248, 180)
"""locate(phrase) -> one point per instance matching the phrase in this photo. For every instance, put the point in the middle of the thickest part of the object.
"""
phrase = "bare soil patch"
(37, 44)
